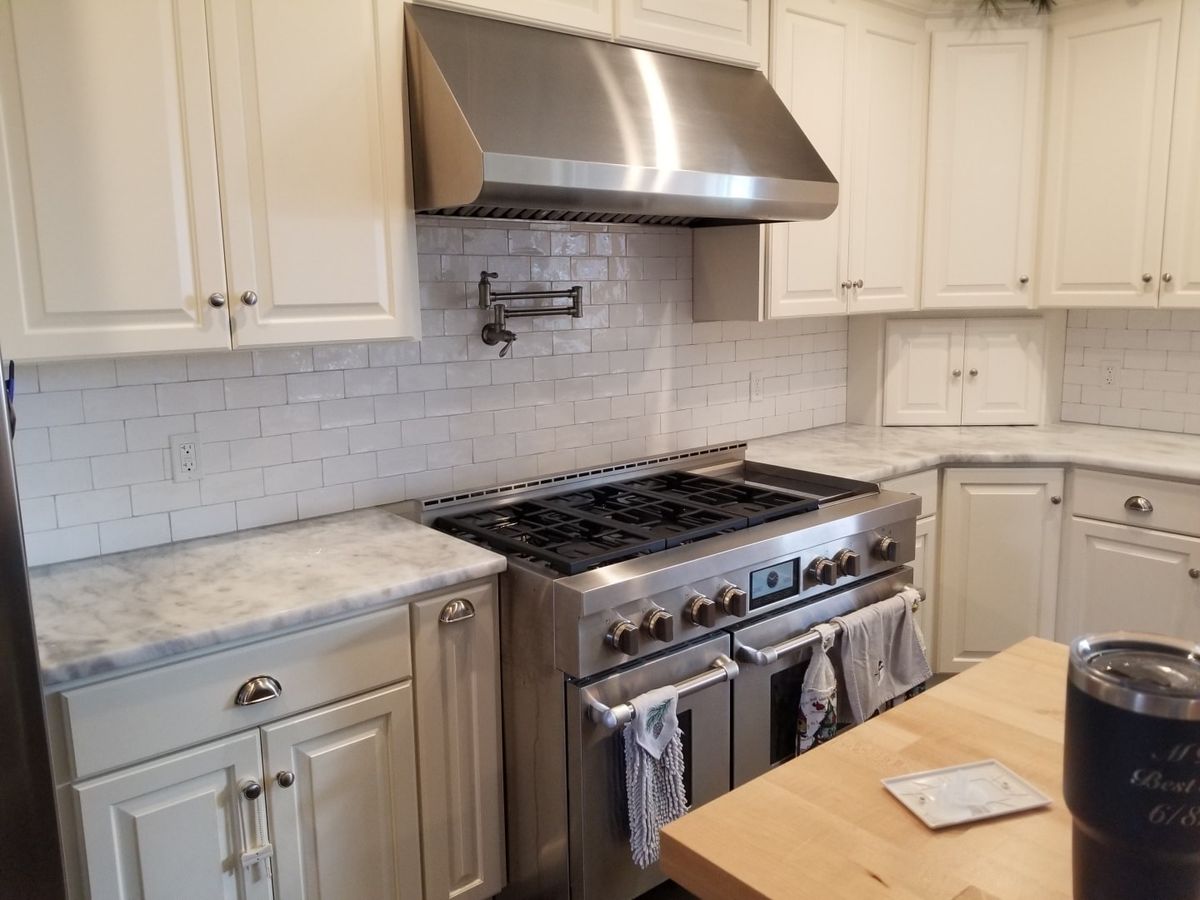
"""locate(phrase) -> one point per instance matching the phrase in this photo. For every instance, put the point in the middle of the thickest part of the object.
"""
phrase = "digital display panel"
(773, 583)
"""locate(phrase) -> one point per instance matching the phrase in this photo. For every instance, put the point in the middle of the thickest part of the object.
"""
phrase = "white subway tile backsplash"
(164, 496)
(55, 408)
(109, 404)
(190, 397)
(201, 521)
(77, 441)
(127, 468)
(92, 506)
(325, 501)
(263, 390)
(205, 366)
(44, 547)
(266, 511)
(226, 486)
(131, 534)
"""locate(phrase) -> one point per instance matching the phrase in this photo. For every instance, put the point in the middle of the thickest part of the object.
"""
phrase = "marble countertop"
(102, 615)
(871, 453)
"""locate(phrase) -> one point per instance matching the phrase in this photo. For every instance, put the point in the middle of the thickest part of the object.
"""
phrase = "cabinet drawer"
(1103, 495)
(923, 484)
(138, 716)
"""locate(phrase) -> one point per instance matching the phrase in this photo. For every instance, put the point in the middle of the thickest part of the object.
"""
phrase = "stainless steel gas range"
(698, 569)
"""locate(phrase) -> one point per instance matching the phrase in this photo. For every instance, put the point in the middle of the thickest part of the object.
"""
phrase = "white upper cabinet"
(985, 112)
(854, 76)
(591, 17)
(733, 31)
(922, 381)
(813, 44)
(1180, 274)
(314, 173)
(1112, 82)
(1002, 372)
(110, 218)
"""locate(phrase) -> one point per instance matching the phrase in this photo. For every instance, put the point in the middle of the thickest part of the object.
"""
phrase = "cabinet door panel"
(925, 574)
(1112, 82)
(886, 181)
(348, 826)
(1120, 578)
(984, 151)
(1002, 367)
(919, 384)
(458, 727)
(110, 221)
(314, 172)
(813, 44)
(1181, 237)
(593, 17)
(174, 829)
(1000, 561)
(726, 30)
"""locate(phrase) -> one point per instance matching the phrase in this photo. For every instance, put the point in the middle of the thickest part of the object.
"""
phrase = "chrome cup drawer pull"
(258, 689)
(458, 610)
(1139, 504)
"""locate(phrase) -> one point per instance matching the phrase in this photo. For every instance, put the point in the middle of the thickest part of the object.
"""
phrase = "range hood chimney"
(515, 122)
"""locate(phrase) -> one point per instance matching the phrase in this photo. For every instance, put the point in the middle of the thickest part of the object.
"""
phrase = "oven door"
(602, 867)
(766, 697)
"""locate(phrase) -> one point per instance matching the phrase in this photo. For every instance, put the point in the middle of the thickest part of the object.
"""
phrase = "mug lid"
(1148, 674)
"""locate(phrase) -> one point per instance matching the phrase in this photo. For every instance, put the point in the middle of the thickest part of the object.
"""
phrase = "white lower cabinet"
(342, 800)
(456, 658)
(1122, 578)
(925, 573)
(176, 828)
(1000, 560)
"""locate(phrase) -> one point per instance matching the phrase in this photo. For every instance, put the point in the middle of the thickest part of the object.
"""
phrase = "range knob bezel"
(734, 601)
(659, 625)
(624, 637)
(887, 548)
(823, 570)
(849, 563)
(701, 611)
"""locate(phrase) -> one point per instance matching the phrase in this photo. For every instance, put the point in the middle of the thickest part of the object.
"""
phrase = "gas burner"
(756, 504)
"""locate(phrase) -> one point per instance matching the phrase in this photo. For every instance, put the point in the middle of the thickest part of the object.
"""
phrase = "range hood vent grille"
(558, 215)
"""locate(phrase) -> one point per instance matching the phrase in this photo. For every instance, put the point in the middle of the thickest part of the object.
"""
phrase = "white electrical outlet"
(756, 386)
(1108, 371)
(185, 457)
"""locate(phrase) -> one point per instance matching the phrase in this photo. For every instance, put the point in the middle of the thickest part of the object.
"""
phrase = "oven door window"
(786, 685)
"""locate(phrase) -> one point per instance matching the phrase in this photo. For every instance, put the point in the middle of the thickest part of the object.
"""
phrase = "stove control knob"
(824, 570)
(660, 625)
(733, 600)
(887, 549)
(848, 562)
(624, 638)
(701, 611)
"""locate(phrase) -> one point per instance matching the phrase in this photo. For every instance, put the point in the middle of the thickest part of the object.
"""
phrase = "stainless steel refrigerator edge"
(30, 854)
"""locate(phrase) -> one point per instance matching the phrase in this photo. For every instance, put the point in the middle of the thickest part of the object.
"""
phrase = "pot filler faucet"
(497, 331)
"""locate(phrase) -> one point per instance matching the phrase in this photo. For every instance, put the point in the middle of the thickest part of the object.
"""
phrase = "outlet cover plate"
(185, 457)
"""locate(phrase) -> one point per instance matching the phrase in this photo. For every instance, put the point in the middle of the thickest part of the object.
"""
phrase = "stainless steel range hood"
(516, 122)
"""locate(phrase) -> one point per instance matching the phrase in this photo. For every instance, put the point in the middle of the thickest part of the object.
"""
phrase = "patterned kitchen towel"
(817, 721)
(881, 655)
(653, 771)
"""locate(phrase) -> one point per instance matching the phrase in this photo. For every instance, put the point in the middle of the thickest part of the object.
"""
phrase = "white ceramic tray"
(967, 793)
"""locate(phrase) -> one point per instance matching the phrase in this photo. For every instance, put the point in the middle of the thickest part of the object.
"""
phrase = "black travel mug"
(1131, 767)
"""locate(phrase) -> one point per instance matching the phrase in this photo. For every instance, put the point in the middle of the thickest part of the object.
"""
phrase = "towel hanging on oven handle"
(722, 669)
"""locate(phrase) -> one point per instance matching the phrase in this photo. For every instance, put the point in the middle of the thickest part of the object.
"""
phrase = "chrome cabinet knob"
(887, 549)
(957, 373)
(258, 689)
(846, 285)
(251, 790)
(285, 779)
(848, 562)
(733, 600)
(249, 298)
(1194, 573)
(701, 611)
(1168, 277)
(823, 570)
(1139, 504)
(659, 625)
(623, 637)
(1147, 278)
(1024, 279)
(1056, 500)
(216, 300)
(973, 372)
(858, 283)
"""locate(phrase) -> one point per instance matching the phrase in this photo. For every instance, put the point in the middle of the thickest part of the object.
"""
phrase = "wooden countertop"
(823, 826)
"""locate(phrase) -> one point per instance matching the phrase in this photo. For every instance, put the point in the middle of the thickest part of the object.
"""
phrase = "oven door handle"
(768, 655)
(722, 669)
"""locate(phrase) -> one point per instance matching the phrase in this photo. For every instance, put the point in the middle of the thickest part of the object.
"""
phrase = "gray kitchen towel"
(653, 771)
(881, 655)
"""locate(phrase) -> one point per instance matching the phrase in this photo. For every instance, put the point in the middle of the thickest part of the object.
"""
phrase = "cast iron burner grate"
(756, 504)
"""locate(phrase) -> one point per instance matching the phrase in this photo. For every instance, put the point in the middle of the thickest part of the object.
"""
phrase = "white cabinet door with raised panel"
(1000, 561)
(925, 574)
(347, 825)
(725, 30)
(923, 378)
(176, 828)
(310, 104)
(985, 111)
(1002, 372)
(892, 71)
(456, 660)
(110, 219)
(1121, 578)
(594, 17)
(1180, 271)
(1112, 81)
(813, 44)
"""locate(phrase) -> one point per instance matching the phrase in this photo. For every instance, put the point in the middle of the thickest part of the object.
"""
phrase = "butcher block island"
(823, 826)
